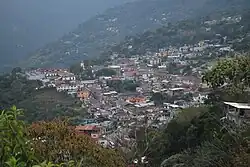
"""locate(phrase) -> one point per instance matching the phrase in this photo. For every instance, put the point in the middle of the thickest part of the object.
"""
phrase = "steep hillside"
(43, 104)
(191, 32)
(29, 25)
(91, 37)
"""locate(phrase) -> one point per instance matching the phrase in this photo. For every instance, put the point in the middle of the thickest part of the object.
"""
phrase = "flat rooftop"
(238, 105)
(177, 89)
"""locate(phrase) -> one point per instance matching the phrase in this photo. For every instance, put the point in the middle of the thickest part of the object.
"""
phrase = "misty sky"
(33, 23)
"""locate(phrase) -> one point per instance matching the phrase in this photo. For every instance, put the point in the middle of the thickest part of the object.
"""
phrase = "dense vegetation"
(15, 87)
(122, 86)
(159, 98)
(198, 136)
(38, 104)
(195, 137)
(105, 72)
(44, 143)
(229, 79)
(190, 32)
(88, 72)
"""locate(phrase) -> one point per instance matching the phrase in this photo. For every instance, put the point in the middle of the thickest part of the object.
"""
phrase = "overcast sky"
(33, 23)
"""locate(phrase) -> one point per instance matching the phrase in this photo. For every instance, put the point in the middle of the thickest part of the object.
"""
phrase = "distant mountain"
(28, 25)
(94, 35)
(232, 24)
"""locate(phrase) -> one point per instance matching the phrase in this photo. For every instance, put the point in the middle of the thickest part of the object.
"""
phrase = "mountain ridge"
(29, 25)
(93, 36)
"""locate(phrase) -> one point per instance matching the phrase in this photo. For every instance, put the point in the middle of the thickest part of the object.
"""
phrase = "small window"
(242, 113)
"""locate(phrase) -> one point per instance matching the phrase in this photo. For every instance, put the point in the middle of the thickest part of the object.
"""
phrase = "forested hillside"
(93, 36)
(190, 32)
(44, 104)
(49, 144)
(197, 136)
(206, 133)
(201, 136)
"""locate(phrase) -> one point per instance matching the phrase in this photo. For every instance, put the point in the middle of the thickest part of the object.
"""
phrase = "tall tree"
(57, 142)
(49, 142)
(233, 75)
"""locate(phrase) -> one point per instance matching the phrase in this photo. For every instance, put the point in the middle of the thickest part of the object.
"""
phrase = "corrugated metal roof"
(238, 105)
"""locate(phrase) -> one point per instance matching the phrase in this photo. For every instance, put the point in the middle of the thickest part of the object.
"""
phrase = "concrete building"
(239, 113)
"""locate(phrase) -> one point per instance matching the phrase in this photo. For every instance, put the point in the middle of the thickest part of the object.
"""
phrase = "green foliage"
(158, 98)
(16, 70)
(14, 146)
(233, 74)
(14, 88)
(197, 137)
(59, 143)
(121, 86)
(47, 104)
(50, 144)
(41, 104)
(130, 85)
(116, 85)
(174, 138)
(87, 74)
(177, 159)
(93, 37)
(191, 31)
(76, 69)
(105, 72)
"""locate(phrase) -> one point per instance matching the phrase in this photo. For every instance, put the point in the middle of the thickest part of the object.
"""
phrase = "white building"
(69, 78)
(66, 76)
(176, 91)
(82, 65)
(66, 87)
(239, 113)
(155, 61)
(51, 74)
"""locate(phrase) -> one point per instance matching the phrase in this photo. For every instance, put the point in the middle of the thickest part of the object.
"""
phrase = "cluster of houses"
(114, 115)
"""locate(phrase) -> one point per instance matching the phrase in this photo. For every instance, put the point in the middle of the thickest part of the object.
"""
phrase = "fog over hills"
(29, 24)
(93, 37)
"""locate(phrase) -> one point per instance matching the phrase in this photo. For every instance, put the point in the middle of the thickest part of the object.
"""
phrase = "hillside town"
(160, 85)
(142, 83)
(115, 114)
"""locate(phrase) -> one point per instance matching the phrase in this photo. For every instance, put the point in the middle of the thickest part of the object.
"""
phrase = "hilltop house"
(176, 91)
(239, 113)
(92, 130)
(51, 74)
(59, 73)
(66, 87)
(66, 76)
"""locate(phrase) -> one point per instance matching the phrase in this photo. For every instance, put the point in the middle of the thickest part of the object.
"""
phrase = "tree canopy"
(46, 144)
(196, 137)
(121, 86)
(105, 72)
(234, 72)
(38, 104)
(231, 76)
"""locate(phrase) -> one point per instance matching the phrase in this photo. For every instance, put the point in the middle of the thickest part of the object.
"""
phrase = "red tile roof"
(86, 127)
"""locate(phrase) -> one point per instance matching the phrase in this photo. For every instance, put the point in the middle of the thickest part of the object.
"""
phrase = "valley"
(133, 88)
(92, 37)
